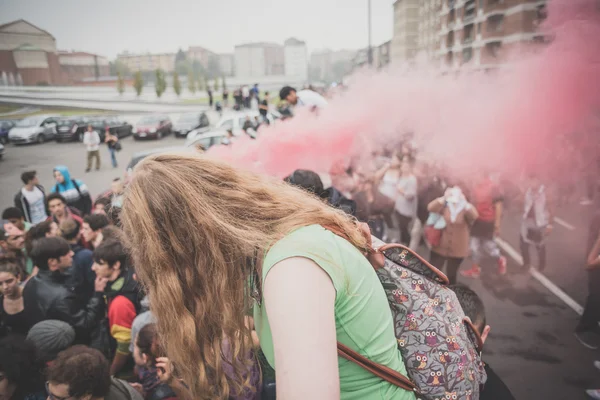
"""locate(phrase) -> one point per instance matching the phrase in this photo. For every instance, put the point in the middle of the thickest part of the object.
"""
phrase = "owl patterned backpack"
(440, 347)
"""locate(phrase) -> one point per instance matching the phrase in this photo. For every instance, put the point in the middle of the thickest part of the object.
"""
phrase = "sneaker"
(593, 393)
(588, 339)
(474, 272)
(502, 265)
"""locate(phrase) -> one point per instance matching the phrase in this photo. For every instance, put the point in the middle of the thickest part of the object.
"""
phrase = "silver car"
(34, 129)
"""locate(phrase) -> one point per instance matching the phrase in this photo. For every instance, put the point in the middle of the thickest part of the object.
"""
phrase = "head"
(307, 180)
(114, 216)
(41, 230)
(11, 238)
(30, 178)
(288, 94)
(147, 348)
(15, 216)
(405, 168)
(185, 267)
(57, 204)
(109, 259)
(52, 254)
(20, 370)
(111, 232)
(79, 373)
(10, 276)
(533, 180)
(267, 96)
(90, 128)
(117, 186)
(92, 225)
(70, 230)
(473, 308)
(50, 337)
(101, 205)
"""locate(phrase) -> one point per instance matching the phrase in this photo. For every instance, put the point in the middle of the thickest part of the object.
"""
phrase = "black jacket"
(22, 204)
(52, 295)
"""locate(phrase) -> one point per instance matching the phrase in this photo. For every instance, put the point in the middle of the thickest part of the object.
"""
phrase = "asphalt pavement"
(531, 345)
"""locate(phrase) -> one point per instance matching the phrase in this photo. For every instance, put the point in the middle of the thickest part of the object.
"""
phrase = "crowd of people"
(184, 287)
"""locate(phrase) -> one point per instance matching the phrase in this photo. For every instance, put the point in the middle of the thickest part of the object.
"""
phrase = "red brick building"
(78, 65)
(480, 33)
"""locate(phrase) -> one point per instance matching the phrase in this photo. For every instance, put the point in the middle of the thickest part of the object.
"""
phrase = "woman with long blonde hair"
(209, 241)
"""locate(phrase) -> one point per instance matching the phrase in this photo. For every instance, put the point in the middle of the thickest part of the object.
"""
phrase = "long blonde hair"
(194, 225)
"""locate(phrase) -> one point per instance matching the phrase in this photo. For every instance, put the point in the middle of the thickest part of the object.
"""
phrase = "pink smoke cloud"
(510, 119)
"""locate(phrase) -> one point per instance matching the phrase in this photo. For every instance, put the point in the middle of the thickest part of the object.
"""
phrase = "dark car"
(153, 126)
(116, 126)
(70, 129)
(5, 126)
(190, 121)
(139, 156)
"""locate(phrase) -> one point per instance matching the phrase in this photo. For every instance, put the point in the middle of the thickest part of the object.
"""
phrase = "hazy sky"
(108, 27)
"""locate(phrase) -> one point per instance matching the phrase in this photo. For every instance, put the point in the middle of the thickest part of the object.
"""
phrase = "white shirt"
(309, 98)
(245, 91)
(91, 140)
(37, 208)
(404, 206)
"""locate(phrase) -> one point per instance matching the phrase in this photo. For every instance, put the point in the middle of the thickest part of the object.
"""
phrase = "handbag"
(117, 146)
(434, 228)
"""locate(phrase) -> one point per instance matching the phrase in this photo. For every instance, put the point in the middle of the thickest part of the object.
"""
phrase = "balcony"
(469, 18)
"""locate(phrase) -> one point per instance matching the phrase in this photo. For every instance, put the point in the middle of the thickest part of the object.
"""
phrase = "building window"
(479, 28)
(495, 23)
(467, 55)
(493, 49)
(481, 4)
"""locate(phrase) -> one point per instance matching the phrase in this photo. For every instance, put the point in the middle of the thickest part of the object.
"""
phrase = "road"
(531, 345)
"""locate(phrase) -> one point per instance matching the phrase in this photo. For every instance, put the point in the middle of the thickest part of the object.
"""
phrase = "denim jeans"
(113, 156)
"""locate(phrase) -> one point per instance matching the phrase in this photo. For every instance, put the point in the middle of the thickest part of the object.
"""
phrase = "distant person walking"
(112, 141)
(246, 96)
(91, 140)
(225, 97)
(210, 97)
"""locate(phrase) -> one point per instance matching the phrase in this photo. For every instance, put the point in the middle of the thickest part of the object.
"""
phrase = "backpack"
(440, 347)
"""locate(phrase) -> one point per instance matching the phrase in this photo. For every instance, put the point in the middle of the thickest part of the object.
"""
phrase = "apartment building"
(429, 24)
(256, 60)
(480, 33)
(405, 40)
(80, 65)
(296, 59)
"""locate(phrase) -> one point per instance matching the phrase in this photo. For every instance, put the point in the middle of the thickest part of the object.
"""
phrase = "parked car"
(1, 151)
(35, 129)
(152, 126)
(116, 125)
(5, 126)
(139, 156)
(207, 139)
(70, 129)
(233, 121)
(190, 121)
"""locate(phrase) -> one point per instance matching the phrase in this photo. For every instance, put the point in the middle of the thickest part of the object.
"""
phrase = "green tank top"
(363, 318)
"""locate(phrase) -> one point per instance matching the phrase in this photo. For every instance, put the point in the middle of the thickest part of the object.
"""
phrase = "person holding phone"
(112, 141)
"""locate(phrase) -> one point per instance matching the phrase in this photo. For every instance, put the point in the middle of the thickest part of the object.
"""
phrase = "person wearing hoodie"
(122, 295)
(73, 190)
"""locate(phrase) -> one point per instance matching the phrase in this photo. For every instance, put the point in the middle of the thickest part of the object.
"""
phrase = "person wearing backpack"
(224, 240)
(74, 191)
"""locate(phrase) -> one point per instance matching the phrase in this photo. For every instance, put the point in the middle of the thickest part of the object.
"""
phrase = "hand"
(548, 230)
(164, 369)
(138, 387)
(100, 284)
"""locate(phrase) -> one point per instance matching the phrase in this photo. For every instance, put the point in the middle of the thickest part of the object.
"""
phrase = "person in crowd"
(43, 229)
(12, 246)
(387, 179)
(123, 296)
(434, 186)
(60, 210)
(306, 98)
(406, 201)
(473, 307)
(91, 140)
(31, 199)
(50, 337)
(149, 359)
(20, 370)
(459, 215)
(210, 97)
(83, 259)
(488, 201)
(110, 232)
(225, 97)
(84, 373)
(144, 318)
(50, 295)
(246, 96)
(111, 142)
(311, 182)
(248, 124)
(101, 205)
(74, 191)
(263, 231)
(12, 311)
(117, 191)
(536, 222)
(15, 216)
(263, 108)
(587, 330)
(92, 227)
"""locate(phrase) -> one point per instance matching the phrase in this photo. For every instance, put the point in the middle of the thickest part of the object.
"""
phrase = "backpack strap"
(76, 187)
(381, 371)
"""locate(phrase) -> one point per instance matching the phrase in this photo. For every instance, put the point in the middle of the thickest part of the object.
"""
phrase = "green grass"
(6, 108)
(65, 112)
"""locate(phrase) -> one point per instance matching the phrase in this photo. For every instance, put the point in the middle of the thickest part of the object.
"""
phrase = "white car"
(35, 129)
(207, 139)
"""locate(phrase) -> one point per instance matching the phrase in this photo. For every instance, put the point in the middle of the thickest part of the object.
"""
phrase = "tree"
(176, 83)
(120, 83)
(118, 66)
(191, 82)
(138, 83)
(180, 56)
(216, 84)
(160, 84)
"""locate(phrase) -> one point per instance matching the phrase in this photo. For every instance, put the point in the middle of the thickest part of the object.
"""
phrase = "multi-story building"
(200, 54)
(405, 39)
(480, 33)
(256, 60)
(428, 38)
(328, 65)
(226, 63)
(79, 65)
(148, 62)
(381, 56)
(296, 59)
